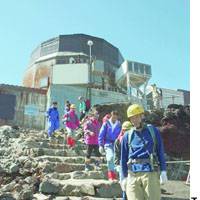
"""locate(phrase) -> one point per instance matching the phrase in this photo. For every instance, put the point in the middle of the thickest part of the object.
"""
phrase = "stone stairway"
(61, 172)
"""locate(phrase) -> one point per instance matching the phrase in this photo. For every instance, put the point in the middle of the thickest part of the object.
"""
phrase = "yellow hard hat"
(73, 106)
(127, 125)
(134, 109)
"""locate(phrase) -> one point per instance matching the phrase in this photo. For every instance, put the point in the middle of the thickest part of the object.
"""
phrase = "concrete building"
(186, 95)
(166, 97)
(22, 106)
(70, 54)
(171, 97)
(68, 60)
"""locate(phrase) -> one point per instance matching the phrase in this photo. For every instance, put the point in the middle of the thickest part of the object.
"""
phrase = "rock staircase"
(60, 171)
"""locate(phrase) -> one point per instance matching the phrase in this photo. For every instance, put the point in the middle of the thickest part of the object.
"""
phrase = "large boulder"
(26, 195)
(77, 190)
(50, 187)
(108, 190)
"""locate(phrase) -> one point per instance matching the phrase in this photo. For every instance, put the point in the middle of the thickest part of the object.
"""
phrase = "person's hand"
(163, 177)
(123, 184)
(101, 150)
(92, 133)
(118, 168)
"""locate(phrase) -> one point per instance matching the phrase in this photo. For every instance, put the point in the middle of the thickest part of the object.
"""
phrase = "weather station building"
(69, 66)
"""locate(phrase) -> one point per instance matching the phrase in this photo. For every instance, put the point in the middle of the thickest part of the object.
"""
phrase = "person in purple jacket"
(91, 129)
(109, 132)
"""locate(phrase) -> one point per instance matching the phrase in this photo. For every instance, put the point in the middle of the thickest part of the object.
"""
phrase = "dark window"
(148, 69)
(61, 61)
(136, 67)
(130, 69)
(141, 69)
(7, 106)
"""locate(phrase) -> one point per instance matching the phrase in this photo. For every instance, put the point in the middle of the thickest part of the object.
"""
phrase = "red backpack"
(87, 104)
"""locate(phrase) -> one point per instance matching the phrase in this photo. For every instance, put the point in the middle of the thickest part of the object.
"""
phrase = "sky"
(154, 32)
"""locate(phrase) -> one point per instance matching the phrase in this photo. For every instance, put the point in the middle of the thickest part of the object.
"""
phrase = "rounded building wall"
(54, 52)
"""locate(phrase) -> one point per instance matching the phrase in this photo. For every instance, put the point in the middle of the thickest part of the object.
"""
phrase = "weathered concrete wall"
(61, 93)
(25, 99)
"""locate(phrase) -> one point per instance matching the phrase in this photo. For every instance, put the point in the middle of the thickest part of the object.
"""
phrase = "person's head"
(114, 116)
(72, 107)
(106, 117)
(95, 115)
(126, 126)
(80, 98)
(135, 114)
(54, 104)
(187, 109)
(67, 103)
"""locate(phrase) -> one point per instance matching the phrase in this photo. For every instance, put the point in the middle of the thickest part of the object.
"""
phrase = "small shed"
(22, 106)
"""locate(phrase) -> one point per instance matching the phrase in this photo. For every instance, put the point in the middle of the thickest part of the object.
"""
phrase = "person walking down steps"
(82, 107)
(53, 119)
(72, 123)
(117, 149)
(107, 136)
(91, 133)
(141, 149)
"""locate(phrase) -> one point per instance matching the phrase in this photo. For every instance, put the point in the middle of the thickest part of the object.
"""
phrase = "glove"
(123, 184)
(101, 150)
(163, 177)
(118, 168)
(92, 133)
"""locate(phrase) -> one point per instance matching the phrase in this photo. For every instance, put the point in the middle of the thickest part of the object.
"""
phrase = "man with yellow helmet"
(140, 147)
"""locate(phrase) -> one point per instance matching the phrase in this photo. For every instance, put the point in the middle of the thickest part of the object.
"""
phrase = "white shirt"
(113, 125)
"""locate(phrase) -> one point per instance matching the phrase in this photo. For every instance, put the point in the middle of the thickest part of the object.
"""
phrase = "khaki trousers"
(143, 186)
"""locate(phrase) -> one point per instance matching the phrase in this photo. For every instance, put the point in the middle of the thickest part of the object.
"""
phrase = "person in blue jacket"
(141, 147)
(53, 119)
(108, 134)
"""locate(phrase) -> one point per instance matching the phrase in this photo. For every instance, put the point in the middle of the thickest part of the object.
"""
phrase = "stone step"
(78, 175)
(55, 144)
(50, 167)
(35, 152)
(76, 159)
(175, 190)
(103, 189)
(81, 187)
(39, 196)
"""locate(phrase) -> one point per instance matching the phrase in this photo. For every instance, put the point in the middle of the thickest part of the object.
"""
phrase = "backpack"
(87, 104)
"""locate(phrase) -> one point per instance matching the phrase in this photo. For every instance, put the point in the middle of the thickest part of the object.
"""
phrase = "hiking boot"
(97, 166)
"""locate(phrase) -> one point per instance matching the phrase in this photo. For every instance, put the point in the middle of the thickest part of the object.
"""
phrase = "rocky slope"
(33, 168)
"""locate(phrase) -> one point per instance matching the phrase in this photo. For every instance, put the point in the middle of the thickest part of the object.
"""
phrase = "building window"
(130, 67)
(61, 61)
(148, 69)
(141, 69)
(136, 68)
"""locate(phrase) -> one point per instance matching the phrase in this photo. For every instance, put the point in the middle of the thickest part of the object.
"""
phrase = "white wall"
(70, 74)
(61, 93)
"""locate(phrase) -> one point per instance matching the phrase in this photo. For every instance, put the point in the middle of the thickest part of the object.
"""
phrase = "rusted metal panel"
(29, 77)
